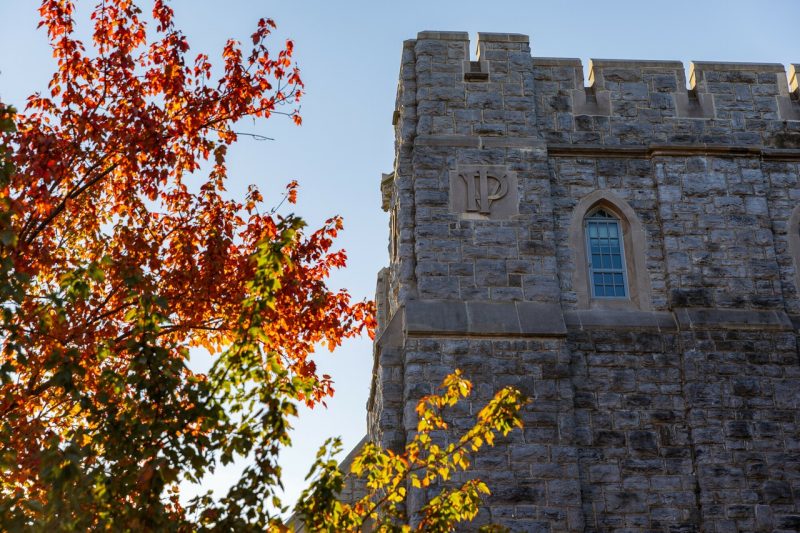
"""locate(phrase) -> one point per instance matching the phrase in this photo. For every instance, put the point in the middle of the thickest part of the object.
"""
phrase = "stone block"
(608, 438)
(435, 316)
(492, 318)
(643, 442)
(777, 492)
(732, 319)
(540, 318)
(491, 273)
(613, 319)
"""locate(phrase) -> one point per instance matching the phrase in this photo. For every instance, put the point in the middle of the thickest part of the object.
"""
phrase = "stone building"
(623, 250)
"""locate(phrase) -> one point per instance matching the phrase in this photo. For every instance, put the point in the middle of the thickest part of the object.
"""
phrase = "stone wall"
(673, 409)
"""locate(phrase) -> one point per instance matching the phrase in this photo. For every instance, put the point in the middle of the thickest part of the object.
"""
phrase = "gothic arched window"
(609, 243)
(605, 251)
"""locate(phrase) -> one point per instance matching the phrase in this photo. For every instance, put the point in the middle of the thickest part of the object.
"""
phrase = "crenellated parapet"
(650, 102)
(504, 91)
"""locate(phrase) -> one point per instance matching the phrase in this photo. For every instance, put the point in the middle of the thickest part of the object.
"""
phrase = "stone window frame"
(793, 232)
(634, 246)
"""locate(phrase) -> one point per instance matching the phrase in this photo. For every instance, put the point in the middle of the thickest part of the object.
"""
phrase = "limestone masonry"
(625, 251)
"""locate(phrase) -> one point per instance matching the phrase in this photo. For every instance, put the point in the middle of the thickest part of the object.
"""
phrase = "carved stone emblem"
(483, 191)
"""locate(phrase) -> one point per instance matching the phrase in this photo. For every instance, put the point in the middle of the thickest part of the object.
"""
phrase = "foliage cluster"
(117, 258)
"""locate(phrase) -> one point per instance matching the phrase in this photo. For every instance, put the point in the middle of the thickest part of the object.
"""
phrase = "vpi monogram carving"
(483, 191)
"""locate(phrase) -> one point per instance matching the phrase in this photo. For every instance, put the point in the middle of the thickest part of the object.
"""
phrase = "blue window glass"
(606, 255)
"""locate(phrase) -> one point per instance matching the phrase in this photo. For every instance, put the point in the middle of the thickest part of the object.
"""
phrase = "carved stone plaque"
(484, 191)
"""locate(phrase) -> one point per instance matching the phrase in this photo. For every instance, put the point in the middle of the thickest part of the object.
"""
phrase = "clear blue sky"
(349, 53)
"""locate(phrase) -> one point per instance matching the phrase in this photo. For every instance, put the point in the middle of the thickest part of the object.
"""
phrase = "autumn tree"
(119, 253)
(424, 462)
